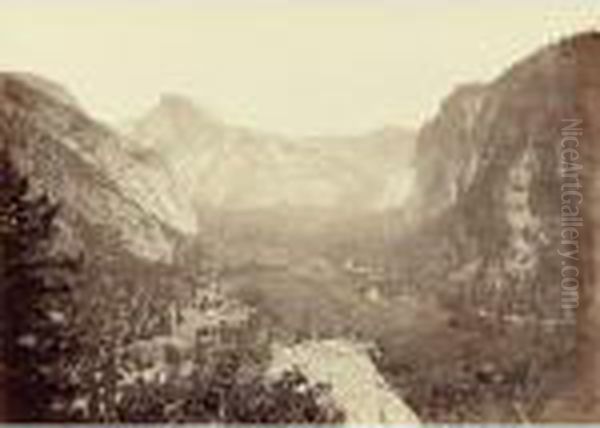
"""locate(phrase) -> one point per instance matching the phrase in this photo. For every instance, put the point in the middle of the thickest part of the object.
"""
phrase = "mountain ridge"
(241, 167)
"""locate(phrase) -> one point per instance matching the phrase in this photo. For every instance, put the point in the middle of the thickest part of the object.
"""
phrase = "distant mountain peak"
(233, 167)
(177, 103)
(174, 118)
(181, 108)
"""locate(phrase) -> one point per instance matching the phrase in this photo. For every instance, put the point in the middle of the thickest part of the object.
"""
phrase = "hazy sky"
(297, 67)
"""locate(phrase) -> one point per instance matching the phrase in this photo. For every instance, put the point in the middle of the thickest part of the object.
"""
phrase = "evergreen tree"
(36, 291)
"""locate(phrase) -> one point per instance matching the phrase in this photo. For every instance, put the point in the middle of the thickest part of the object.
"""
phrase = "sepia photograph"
(299, 212)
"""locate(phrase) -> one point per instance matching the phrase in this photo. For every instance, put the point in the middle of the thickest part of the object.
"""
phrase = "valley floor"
(449, 364)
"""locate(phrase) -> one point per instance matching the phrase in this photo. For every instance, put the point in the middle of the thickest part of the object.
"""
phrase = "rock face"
(588, 91)
(80, 163)
(488, 186)
(580, 402)
(221, 166)
(491, 171)
(356, 386)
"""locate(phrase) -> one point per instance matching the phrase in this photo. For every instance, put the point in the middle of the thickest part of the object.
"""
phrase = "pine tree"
(37, 299)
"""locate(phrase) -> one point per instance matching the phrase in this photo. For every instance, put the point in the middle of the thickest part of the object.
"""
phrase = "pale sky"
(294, 67)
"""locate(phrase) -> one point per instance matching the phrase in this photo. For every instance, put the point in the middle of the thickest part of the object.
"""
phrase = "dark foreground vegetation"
(69, 335)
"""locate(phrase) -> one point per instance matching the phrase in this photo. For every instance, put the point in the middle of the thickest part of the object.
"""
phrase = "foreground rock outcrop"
(356, 386)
